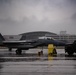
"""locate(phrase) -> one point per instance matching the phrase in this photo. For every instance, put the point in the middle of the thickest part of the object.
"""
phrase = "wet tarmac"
(29, 63)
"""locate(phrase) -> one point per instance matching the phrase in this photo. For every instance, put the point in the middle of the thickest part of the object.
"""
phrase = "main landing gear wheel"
(18, 51)
(10, 49)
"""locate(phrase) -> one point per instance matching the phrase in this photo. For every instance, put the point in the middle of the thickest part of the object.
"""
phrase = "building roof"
(35, 34)
(45, 32)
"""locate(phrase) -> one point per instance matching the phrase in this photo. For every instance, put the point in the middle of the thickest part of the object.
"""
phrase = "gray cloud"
(74, 17)
(72, 1)
(19, 16)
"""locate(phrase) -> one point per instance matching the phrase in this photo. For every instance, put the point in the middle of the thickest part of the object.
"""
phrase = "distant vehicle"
(27, 44)
(71, 48)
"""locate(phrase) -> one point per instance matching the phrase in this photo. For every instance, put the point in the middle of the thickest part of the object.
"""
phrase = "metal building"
(35, 35)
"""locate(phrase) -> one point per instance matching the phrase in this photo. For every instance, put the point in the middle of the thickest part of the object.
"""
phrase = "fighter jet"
(27, 44)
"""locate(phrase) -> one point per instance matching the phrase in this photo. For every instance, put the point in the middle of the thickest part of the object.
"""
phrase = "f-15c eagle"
(27, 44)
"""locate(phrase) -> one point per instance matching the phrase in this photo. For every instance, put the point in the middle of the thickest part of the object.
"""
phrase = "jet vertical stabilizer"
(1, 38)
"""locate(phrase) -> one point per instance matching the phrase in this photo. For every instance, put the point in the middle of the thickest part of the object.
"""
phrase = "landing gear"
(18, 51)
(40, 53)
(10, 49)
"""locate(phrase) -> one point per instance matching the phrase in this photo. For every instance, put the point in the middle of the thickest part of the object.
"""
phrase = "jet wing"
(22, 44)
(17, 42)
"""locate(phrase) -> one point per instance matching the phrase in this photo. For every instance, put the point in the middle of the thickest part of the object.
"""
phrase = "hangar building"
(34, 35)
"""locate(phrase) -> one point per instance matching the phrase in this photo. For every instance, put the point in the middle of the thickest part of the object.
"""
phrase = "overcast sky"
(20, 16)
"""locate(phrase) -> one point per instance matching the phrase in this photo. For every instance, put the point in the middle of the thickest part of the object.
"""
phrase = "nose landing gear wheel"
(18, 51)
